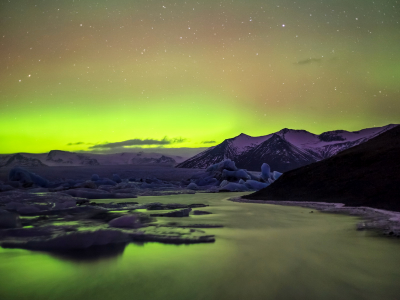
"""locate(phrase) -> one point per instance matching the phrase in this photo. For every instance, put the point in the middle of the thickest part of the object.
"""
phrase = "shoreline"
(385, 221)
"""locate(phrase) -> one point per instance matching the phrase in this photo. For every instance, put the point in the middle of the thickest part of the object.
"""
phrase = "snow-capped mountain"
(284, 150)
(65, 158)
(58, 157)
(18, 159)
(135, 158)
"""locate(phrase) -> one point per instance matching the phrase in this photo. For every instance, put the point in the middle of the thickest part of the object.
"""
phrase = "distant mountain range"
(65, 158)
(284, 150)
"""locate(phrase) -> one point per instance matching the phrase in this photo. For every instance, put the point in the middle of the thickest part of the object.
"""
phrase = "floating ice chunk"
(276, 175)
(235, 175)
(58, 205)
(229, 165)
(69, 203)
(5, 188)
(95, 177)
(212, 168)
(105, 181)
(209, 180)
(265, 171)
(153, 180)
(256, 185)
(146, 185)
(26, 177)
(116, 178)
(88, 184)
(14, 205)
(254, 177)
(129, 221)
(226, 164)
(29, 209)
(192, 186)
(223, 183)
(78, 240)
(8, 220)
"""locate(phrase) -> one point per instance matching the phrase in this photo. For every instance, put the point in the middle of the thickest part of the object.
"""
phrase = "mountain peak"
(243, 135)
(284, 130)
(58, 151)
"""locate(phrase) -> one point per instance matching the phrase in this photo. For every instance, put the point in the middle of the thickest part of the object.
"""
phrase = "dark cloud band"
(139, 142)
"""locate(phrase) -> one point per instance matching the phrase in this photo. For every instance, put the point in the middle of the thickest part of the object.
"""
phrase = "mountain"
(58, 157)
(136, 158)
(364, 175)
(65, 158)
(20, 160)
(284, 150)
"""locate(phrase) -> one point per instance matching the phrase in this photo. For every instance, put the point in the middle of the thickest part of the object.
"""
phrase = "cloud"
(183, 152)
(308, 61)
(177, 140)
(208, 142)
(139, 142)
(75, 144)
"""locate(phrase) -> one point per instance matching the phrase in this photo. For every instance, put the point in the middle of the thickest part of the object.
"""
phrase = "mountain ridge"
(284, 150)
(65, 158)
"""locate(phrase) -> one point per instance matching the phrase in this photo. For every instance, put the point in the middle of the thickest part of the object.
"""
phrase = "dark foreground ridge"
(365, 175)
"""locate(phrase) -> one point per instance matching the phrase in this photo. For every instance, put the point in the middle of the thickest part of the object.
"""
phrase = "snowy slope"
(284, 150)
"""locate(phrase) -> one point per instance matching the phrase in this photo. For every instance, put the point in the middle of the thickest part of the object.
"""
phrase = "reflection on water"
(263, 252)
(93, 254)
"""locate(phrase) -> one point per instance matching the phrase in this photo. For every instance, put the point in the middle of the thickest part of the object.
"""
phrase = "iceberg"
(26, 177)
(276, 175)
(192, 186)
(226, 164)
(265, 171)
(116, 178)
(129, 221)
(235, 175)
(95, 177)
(256, 185)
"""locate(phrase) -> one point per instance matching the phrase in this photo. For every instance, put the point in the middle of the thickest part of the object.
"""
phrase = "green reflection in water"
(264, 252)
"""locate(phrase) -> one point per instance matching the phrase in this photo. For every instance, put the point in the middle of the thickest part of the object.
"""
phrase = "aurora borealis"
(78, 74)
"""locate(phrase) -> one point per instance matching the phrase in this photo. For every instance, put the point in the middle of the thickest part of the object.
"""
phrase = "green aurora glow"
(91, 72)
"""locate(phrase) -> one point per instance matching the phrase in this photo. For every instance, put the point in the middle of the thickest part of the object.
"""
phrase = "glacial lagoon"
(262, 252)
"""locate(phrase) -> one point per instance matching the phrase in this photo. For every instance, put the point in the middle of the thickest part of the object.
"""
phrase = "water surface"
(263, 252)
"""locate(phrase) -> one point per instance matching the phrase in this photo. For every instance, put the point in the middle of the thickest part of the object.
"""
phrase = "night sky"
(78, 74)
